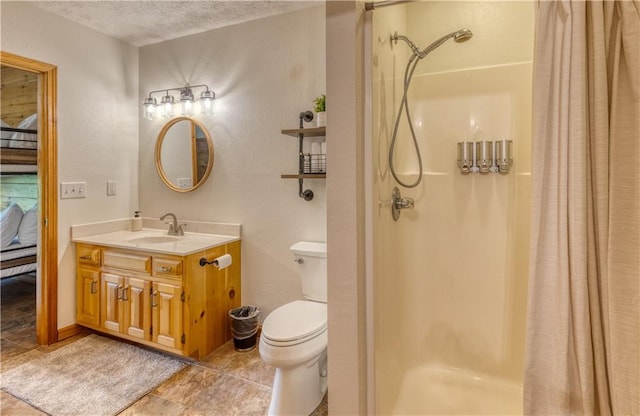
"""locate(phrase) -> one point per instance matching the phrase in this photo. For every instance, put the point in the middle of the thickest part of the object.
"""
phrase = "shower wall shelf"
(301, 133)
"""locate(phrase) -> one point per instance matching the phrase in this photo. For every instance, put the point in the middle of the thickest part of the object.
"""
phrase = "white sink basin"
(156, 239)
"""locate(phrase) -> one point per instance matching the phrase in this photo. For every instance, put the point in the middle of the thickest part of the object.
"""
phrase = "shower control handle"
(404, 203)
(398, 203)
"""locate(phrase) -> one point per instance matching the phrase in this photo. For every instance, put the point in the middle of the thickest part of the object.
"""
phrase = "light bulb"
(149, 108)
(187, 108)
(207, 102)
(166, 106)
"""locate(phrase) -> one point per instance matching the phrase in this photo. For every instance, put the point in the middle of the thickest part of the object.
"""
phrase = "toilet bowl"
(294, 339)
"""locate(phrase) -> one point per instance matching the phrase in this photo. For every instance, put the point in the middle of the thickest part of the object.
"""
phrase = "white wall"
(97, 121)
(345, 208)
(264, 73)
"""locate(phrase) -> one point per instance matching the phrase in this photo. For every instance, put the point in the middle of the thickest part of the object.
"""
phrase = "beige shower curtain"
(583, 326)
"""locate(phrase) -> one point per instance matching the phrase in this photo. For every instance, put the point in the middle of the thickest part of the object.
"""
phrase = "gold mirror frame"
(158, 153)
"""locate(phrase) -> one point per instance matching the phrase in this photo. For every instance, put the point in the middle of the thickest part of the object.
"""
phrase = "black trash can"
(244, 327)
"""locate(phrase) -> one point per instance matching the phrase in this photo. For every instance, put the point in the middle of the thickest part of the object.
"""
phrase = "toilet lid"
(296, 320)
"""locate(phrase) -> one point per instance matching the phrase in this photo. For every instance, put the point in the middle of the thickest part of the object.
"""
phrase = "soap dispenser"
(136, 223)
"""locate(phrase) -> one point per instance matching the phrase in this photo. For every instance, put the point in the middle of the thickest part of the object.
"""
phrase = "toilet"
(294, 338)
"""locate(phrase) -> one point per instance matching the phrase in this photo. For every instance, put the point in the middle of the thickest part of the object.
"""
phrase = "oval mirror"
(184, 154)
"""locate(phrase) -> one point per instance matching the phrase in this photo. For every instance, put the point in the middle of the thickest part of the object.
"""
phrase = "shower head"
(459, 36)
(462, 35)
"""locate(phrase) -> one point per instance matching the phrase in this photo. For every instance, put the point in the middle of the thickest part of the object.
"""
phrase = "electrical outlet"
(111, 188)
(70, 190)
(184, 183)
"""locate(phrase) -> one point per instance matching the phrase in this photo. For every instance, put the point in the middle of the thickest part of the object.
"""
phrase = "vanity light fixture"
(187, 105)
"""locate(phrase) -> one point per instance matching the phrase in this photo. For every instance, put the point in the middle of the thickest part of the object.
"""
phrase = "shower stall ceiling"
(450, 277)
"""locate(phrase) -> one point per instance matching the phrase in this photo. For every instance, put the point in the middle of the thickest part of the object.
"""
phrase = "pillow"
(26, 140)
(10, 218)
(28, 231)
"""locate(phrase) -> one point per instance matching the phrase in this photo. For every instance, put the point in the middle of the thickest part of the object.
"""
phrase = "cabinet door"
(137, 309)
(110, 305)
(88, 297)
(166, 309)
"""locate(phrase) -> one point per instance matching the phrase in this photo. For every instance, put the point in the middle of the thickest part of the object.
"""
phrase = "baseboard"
(69, 331)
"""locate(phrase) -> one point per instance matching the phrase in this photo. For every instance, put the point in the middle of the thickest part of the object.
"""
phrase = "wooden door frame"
(47, 282)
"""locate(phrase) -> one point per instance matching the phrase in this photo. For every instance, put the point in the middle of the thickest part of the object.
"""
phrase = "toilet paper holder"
(204, 262)
(215, 262)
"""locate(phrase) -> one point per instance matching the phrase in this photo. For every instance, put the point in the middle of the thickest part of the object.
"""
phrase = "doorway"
(47, 162)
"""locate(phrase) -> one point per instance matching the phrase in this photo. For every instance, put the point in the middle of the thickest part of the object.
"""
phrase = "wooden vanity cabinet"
(88, 285)
(88, 296)
(168, 302)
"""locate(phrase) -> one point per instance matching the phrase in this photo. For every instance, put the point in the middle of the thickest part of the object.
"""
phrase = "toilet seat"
(295, 323)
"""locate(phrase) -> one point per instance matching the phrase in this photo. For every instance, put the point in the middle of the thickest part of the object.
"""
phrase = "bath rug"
(92, 376)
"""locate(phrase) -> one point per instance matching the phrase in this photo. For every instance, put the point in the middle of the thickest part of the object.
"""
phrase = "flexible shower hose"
(404, 104)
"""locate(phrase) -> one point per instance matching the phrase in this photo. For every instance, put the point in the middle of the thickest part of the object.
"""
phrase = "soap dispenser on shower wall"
(136, 222)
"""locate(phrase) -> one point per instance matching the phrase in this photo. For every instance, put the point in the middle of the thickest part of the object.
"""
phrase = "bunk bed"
(18, 171)
(19, 145)
(19, 228)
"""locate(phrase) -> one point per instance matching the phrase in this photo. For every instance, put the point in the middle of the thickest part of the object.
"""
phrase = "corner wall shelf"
(301, 133)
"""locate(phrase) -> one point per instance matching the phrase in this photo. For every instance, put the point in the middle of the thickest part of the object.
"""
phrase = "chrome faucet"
(174, 228)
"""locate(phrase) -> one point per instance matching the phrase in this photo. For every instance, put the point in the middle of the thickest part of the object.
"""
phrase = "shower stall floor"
(437, 390)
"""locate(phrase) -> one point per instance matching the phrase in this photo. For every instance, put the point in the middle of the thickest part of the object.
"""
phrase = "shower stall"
(448, 279)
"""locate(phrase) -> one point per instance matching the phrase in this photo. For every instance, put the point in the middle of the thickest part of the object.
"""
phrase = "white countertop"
(182, 246)
(117, 233)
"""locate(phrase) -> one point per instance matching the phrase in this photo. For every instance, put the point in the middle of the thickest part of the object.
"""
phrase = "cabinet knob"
(165, 269)
(85, 257)
(94, 286)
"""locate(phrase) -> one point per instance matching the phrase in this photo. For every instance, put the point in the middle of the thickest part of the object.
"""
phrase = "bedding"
(18, 259)
(28, 231)
(25, 140)
(17, 250)
(10, 219)
(19, 234)
(22, 269)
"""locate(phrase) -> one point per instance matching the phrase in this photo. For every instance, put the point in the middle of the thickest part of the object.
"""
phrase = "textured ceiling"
(146, 22)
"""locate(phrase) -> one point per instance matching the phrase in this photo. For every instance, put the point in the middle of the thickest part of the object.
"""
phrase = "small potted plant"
(320, 107)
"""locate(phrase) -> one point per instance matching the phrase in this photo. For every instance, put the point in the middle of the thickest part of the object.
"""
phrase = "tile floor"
(224, 383)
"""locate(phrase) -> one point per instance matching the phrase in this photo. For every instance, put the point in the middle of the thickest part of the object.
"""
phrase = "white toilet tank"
(312, 260)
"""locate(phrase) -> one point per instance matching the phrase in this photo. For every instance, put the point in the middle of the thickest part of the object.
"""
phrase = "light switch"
(111, 188)
(69, 190)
